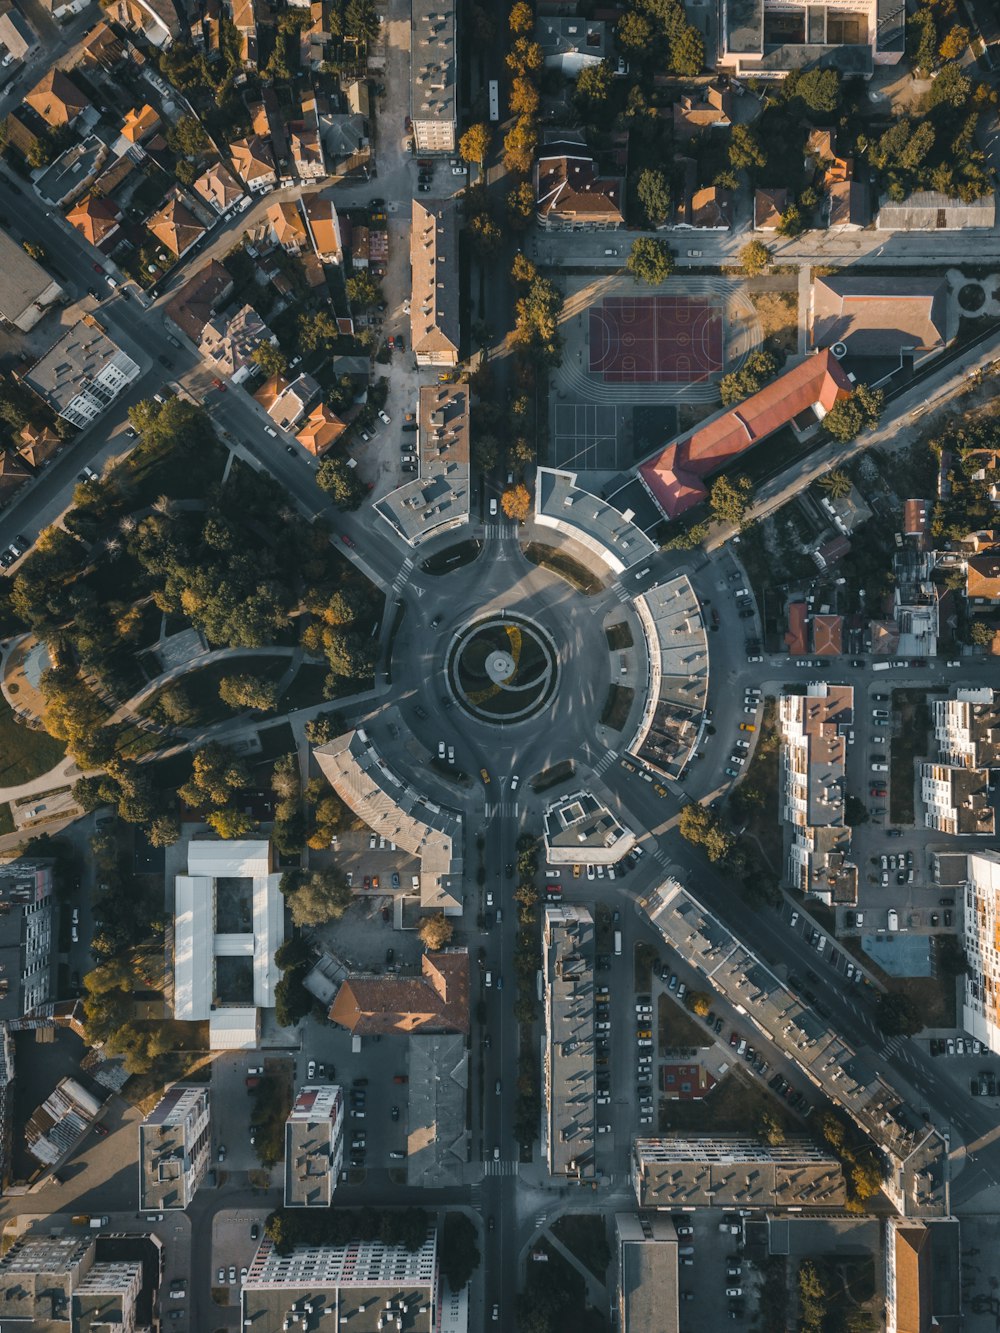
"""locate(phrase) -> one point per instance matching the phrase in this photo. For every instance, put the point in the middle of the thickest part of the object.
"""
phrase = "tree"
(593, 84)
(981, 633)
(164, 830)
(271, 359)
(952, 86)
(324, 896)
(745, 150)
(521, 19)
(436, 931)
(653, 192)
(340, 482)
(700, 826)
(39, 153)
(699, 1002)
(521, 205)
(216, 774)
(687, 52)
(730, 499)
(791, 222)
(770, 1129)
(516, 502)
(316, 330)
(230, 822)
(524, 97)
(859, 411)
(187, 138)
(650, 260)
(486, 234)
(755, 258)
(837, 483)
(759, 367)
(475, 143)
(459, 1253)
(363, 291)
(955, 42)
(248, 692)
(898, 1015)
(519, 146)
(819, 89)
(523, 270)
(634, 32)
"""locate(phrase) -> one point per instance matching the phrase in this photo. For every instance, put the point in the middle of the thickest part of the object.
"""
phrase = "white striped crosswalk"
(620, 593)
(604, 763)
(501, 1168)
(403, 575)
(661, 856)
(890, 1047)
(496, 530)
(501, 810)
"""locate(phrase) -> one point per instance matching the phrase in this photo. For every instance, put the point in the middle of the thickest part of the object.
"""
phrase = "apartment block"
(648, 1295)
(433, 105)
(768, 39)
(434, 314)
(579, 829)
(364, 1285)
(27, 922)
(570, 1087)
(733, 1171)
(981, 1002)
(314, 1146)
(956, 800)
(82, 374)
(175, 1143)
(26, 290)
(50, 1283)
(967, 728)
(815, 728)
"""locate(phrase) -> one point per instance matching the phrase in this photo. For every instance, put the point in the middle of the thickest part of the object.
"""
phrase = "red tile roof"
(795, 638)
(436, 1002)
(673, 478)
(828, 635)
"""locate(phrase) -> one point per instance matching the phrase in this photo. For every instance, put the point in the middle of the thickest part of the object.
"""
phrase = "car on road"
(383, 415)
(311, 1069)
(222, 1275)
(496, 1311)
(232, 1272)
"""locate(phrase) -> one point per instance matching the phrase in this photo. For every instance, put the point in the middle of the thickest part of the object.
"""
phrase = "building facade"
(27, 922)
(570, 1084)
(82, 374)
(433, 104)
(314, 1146)
(175, 1144)
(734, 1171)
(981, 1002)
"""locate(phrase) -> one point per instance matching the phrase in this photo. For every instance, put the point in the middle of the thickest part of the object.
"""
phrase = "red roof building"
(674, 477)
(828, 635)
(795, 637)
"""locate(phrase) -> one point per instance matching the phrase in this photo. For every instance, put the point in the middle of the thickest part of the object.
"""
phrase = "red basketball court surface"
(656, 339)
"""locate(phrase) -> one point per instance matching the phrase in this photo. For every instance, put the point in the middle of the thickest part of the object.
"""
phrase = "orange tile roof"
(138, 124)
(13, 473)
(795, 636)
(913, 1279)
(982, 578)
(94, 218)
(35, 446)
(768, 206)
(287, 223)
(218, 187)
(271, 390)
(321, 429)
(57, 99)
(828, 635)
(438, 1001)
(321, 215)
(568, 186)
(252, 157)
(673, 477)
(175, 226)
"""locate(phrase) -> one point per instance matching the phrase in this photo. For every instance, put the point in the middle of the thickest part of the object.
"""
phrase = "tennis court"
(585, 437)
(656, 339)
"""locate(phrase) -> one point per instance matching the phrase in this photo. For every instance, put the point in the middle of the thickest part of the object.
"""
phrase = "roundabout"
(503, 669)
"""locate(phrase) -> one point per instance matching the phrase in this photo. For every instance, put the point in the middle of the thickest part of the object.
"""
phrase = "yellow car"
(484, 775)
(576, 872)
(747, 726)
(660, 791)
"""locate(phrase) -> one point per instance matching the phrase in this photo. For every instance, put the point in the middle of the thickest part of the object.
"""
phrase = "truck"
(97, 1222)
(356, 1045)
(618, 944)
(881, 666)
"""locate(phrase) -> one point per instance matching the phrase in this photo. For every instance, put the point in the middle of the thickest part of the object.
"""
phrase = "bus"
(494, 99)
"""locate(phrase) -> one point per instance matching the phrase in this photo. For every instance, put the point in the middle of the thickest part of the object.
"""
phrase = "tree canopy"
(650, 260)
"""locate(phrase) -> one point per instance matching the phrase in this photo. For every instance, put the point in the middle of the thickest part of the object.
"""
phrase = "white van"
(489, 979)
(880, 768)
(892, 919)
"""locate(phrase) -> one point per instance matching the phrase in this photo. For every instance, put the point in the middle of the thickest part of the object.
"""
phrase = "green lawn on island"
(24, 754)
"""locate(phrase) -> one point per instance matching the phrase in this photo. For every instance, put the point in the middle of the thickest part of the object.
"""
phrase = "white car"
(591, 872)
(383, 415)
(514, 781)
(489, 899)
(311, 1069)
(460, 171)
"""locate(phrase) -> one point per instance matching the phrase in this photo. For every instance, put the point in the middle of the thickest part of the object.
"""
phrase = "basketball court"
(656, 339)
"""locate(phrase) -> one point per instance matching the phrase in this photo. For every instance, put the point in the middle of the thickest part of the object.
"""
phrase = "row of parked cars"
(956, 1046)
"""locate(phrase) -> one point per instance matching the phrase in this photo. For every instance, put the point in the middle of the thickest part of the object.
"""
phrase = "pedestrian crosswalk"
(494, 1168)
(496, 530)
(890, 1048)
(402, 576)
(661, 856)
(605, 762)
(475, 1194)
(501, 810)
(620, 593)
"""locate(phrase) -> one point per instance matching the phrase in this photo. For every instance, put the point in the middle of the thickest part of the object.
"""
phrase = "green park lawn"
(24, 754)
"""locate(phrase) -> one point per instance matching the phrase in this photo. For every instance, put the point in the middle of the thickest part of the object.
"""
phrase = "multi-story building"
(923, 1264)
(981, 1002)
(436, 499)
(81, 374)
(314, 1146)
(175, 1143)
(767, 39)
(967, 728)
(568, 941)
(815, 727)
(434, 317)
(55, 1284)
(956, 800)
(735, 1171)
(362, 1285)
(27, 915)
(572, 195)
(433, 103)
(26, 290)
(648, 1295)
(578, 829)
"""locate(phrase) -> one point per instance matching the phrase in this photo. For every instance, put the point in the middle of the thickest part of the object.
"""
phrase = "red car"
(345, 539)
(367, 883)
(100, 1129)
(219, 385)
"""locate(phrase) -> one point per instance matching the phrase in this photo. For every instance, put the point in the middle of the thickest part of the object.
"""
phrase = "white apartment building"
(314, 1146)
(433, 105)
(26, 936)
(770, 38)
(175, 1143)
(956, 800)
(981, 1002)
(570, 1086)
(967, 728)
(82, 374)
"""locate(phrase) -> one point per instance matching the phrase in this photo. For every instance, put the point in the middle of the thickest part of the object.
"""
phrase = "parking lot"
(717, 1285)
(235, 1237)
(232, 1105)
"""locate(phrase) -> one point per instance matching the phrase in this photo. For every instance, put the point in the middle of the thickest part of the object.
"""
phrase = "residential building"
(433, 106)
(437, 1001)
(73, 172)
(82, 373)
(917, 523)
(320, 430)
(397, 811)
(95, 218)
(314, 1146)
(437, 1138)
(156, 20)
(27, 921)
(359, 247)
(669, 730)
(253, 161)
(324, 227)
(26, 290)
(981, 929)
(231, 340)
(37, 445)
(245, 21)
(288, 228)
(24, 128)
(198, 301)
(102, 47)
(927, 210)
(922, 1277)
(579, 829)
(956, 800)
(813, 780)
(848, 205)
(802, 395)
(434, 316)
(766, 39)
(768, 206)
(880, 317)
(648, 1287)
(571, 44)
(693, 115)
(437, 499)
(176, 227)
(140, 123)
(569, 1075)
(219, 188)
(16, 33)
(13, 475)
(967, 728)
(175, 1148)
(735, 1171)
(345, 139)
(982, 573)
(57, 99)
(707, 209)
(55, 1284)
(229, 920)
(56, 1127)
(286, 402)
(363, 1285)
(570, 195)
